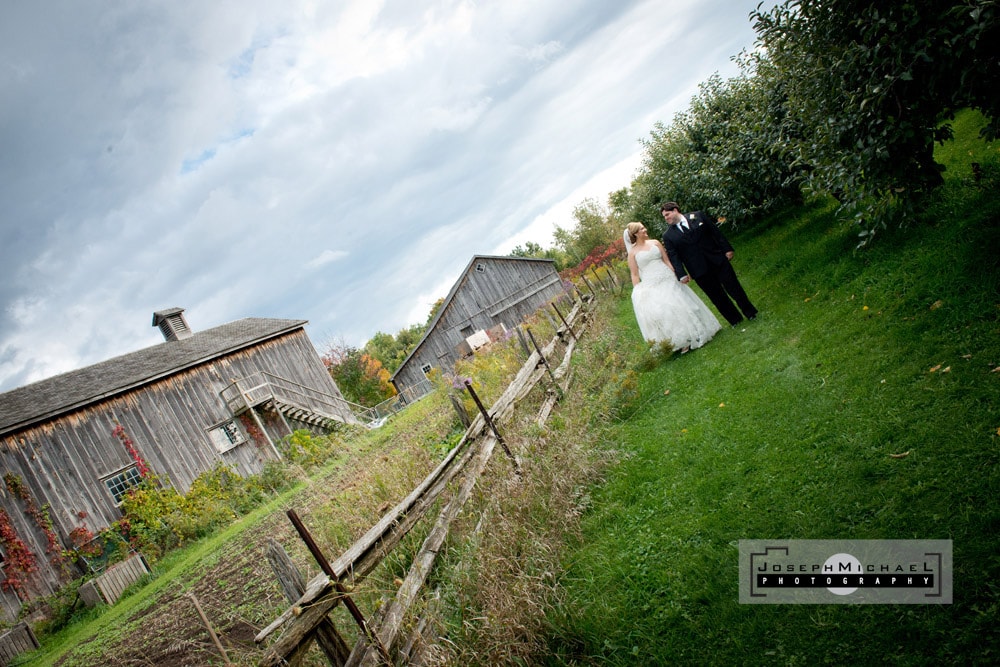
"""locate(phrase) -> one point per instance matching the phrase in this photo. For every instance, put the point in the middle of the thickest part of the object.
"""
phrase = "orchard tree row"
(840, 98)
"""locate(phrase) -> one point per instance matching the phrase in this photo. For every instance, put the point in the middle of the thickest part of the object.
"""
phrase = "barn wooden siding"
(63, 460)
(491, 291)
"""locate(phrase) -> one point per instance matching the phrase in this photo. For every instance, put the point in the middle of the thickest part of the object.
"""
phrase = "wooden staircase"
(305, 415)
(305, 405)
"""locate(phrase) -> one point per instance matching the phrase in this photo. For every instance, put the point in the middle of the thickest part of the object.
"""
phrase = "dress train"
(667, 310)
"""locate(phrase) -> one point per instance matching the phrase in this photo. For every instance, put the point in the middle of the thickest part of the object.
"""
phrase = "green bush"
(156, 518)
(308, 450)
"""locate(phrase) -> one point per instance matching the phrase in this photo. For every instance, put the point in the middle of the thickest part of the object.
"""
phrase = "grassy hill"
(863, 404)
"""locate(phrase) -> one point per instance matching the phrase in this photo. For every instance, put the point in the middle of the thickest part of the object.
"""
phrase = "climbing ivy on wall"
(19, 563)
(140, 463)
(40, 515)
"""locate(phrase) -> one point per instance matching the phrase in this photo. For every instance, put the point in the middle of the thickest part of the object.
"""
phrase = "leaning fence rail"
(308, 615)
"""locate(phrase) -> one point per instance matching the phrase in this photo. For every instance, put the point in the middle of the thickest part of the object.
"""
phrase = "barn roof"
(57, 395)
(451, 296)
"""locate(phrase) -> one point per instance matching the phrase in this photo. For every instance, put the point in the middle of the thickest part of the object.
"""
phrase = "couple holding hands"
(667, 309)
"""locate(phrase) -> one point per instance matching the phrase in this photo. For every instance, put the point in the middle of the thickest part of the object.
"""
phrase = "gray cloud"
(338, 162)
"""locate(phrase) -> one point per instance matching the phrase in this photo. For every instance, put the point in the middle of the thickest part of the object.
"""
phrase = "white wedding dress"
(668, 310)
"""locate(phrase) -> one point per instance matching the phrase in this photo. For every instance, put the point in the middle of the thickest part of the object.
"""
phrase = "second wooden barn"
(492, 294)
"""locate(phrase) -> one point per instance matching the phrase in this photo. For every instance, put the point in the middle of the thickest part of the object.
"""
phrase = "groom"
(697, 249)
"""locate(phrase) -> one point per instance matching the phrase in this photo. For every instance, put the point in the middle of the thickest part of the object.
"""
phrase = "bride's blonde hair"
(633, 230)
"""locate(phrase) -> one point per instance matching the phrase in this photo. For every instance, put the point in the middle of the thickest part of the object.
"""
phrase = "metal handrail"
(261, 386)
(313, 399)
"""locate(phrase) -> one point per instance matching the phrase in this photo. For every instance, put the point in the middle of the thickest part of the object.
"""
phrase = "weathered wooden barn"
(73, 444)
(492, 291)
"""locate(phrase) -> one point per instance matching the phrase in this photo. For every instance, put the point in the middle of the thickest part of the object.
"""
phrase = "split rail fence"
(307, 618)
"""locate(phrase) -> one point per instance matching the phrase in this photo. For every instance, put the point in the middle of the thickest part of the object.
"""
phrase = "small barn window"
(480, 268)
(426, 368)
(227, 435)
(120, 483)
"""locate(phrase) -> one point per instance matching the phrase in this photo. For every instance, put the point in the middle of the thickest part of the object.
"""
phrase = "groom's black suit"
(701, 253)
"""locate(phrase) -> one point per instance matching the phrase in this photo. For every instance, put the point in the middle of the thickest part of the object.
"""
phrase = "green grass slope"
(785, 428)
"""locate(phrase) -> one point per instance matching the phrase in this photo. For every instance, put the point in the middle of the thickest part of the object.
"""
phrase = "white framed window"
(119, 483)
(480, 268)
(227, 435)
(426, 368)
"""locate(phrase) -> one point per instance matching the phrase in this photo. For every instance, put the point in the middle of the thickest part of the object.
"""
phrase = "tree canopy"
(839, 98)
(595, 226)
(870, 87)
(359, 376)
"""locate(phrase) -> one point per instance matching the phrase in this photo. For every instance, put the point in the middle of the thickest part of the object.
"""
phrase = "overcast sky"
(338, 162)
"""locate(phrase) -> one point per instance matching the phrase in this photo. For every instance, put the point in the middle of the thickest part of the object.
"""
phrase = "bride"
(667, 310)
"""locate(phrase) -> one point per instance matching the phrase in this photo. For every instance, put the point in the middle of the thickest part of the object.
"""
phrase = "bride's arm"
(633, 268)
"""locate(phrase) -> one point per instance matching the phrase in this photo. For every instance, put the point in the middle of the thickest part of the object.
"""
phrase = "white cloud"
(325, 257)
(541, 229)
(338, 162)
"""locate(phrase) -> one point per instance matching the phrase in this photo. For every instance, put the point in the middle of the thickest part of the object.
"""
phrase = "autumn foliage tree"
(393, 350)
(595, 226)
(598, 256)
(360, 376)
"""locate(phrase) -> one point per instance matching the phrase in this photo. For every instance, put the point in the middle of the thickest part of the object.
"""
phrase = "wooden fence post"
(552, 321)
(546, 362)
(463, 414)
(565, 323)
(524, 343)
(292, 583)
(215, 637)
(613, 277)
(489, 422)
(597, 277)
(324, 564)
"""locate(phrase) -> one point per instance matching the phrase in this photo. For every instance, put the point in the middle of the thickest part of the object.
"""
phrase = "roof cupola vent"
(172, 324)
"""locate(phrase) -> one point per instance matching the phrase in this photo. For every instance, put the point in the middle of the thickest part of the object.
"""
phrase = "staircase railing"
(261, 387)
(391, 406)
